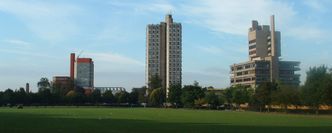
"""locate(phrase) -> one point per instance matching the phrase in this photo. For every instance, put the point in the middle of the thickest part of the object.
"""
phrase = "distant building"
(82, 71)
(264, 64)
(27, 88)
(62, 82)
(113, 89)
(164, 52)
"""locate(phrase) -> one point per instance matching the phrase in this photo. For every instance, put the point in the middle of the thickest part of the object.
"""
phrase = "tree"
(1, 99)
(96, 96)
(8, 97)
(199, 102)
(142, 94)
(212, 99)
(122, 97)
(317, 87)
(263, 94)
(45, 96)
(228, 95)
(21, 96)
(174, 95)
(286, 95)
(240, 95)
(108, 97)
(43, 84)
(157, 97)
(75, 97)
(155, 82)
(190, 93)
(133, 96)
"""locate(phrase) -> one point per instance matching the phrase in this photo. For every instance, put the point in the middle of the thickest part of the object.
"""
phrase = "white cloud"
(113, 62)
(314, 34)
(211, 49)
(50, 21)
(17, 42)
(317, 5)
(162, 6)
(28, 53)
(114, 58)
(234, 17)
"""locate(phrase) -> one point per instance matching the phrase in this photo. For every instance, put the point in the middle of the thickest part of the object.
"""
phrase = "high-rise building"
(264, 64)
(83, 72)
(164, 52)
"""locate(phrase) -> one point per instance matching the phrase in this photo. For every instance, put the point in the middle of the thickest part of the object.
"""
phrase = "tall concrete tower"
(164, 52)
(264, 64)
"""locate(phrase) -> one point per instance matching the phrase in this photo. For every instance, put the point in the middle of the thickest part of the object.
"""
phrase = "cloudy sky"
(37, 36)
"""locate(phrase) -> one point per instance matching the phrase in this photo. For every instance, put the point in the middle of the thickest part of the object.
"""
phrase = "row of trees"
(316, 91)
(53, 94)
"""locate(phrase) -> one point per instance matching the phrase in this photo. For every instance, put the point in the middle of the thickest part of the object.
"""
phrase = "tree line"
(316, 91)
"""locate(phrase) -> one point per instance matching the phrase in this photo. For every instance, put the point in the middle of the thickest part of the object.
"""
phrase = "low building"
(62, 82)
(113, 89)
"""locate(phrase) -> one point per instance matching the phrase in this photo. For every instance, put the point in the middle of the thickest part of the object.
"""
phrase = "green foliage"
(108, 97)
(96, 96)
(155, 82)
(212, 99)
(174, 94)
(286, 95)
(263, 94)
(238, 94)
(133, 96)
(8, 97)
(122, 97)
(190, 93)
(317, 89)
(157, 97)
(75, 97)
(45, 96)
(142, 96)
(21, 96)
(199, 102)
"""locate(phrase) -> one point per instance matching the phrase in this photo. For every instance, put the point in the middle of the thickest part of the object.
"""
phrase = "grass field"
(112, 120)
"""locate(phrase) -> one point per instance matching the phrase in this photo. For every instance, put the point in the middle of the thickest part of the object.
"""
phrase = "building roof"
(84, 60)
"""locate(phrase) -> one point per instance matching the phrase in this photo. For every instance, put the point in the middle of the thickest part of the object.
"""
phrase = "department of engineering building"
(264, 64)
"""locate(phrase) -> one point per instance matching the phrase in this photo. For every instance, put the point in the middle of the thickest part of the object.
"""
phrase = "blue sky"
(37, 36)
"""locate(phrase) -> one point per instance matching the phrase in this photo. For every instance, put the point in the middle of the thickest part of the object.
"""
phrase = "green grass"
(112, 120)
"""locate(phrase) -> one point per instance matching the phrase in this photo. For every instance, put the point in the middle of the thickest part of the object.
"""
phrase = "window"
(252, 41)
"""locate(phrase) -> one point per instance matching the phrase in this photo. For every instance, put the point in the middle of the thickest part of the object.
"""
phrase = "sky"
(37, 37)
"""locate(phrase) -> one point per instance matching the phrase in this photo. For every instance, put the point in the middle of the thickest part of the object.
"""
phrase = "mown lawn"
(132, 120)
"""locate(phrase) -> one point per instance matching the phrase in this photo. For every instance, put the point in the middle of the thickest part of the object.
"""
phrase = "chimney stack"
(273, 38)
(72, 65)
(27, 88)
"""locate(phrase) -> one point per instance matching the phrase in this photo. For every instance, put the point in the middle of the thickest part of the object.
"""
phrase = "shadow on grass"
(34, 123)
